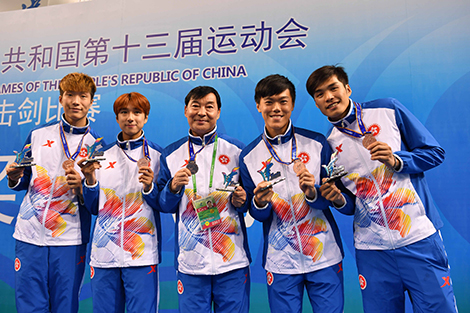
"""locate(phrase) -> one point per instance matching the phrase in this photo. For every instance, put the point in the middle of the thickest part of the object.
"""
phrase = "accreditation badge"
(207, 212)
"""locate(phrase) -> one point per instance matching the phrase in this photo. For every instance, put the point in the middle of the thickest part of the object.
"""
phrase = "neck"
(272, 133)
(200, 135)
(343, 115)
(127, 137)
(79, 123)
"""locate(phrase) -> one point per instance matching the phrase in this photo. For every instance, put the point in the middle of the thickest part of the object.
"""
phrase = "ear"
(185, 111)
(257, 107)
(60, 99)
(146, 119)
(348, 89)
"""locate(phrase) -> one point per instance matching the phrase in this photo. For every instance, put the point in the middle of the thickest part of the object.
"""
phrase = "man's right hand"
(263, 197)
(14, 173)
(88, 170)
(180, 179)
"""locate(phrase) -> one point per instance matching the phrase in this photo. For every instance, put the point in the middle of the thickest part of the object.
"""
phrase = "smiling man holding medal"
(53, 226)
(212, 256)
(126, 247)
(386, 151)
(281, 170)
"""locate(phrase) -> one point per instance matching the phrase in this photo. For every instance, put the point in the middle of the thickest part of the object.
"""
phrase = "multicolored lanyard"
(192, 157)
(145, 151)
(360, 124)
(192, 154)
(65, 145)
(274, 153)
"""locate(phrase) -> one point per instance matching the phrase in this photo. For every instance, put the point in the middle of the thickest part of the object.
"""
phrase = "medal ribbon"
(65, 145)
(274, 153)
(192, 155)
(214, 154)
(145, 151)
(360, 124)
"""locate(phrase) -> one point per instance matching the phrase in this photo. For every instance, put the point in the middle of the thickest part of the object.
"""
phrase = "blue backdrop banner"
(414, 50)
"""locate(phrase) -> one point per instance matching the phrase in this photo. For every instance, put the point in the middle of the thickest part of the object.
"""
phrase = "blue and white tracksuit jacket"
(219, 249)
(50, 215)
(127, 230)
(300, 236)
(393, 209)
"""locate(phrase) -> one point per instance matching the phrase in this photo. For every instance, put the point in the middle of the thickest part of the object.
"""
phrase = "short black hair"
(319, 76)
(273, 85)
(200, 92)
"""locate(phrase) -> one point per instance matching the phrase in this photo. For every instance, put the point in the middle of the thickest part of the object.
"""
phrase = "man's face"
(202, 114)
(76, 105)
(131, 120)
(276, 111)
(332, 98)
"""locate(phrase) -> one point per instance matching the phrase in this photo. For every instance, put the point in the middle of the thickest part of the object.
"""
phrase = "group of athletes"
(210, 181)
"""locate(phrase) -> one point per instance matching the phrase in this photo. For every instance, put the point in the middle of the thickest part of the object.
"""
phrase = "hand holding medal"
(180, 179)
(368, 139)
(382, 152)
(192, 167)
(74, 181)
(298, 166)
(143, 162)
(147, 175)
(67, 164)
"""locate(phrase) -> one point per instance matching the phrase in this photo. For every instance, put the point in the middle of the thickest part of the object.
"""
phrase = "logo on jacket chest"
(265, 170)
(224, 159)
(111, 164)
(48, 143)
(228, 178)
(374, 129)
(83, 152)
(304, 157)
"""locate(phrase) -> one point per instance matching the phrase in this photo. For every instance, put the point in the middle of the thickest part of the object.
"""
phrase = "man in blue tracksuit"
(53, 226)
(199, 181)
(386, 151)
(302, 245)
(122, 192)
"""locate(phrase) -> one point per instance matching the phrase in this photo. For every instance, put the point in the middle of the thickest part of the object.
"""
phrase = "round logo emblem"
(83, 152)
(269, 278)
(374, 129)
(180, 287)
(304, 157)
(224, 159)
(17, 264)
(92, 272)
(362, 282)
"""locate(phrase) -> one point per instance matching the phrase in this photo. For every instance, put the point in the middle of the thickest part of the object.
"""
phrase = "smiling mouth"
(331, 106)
